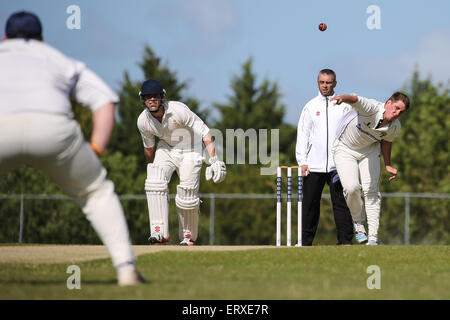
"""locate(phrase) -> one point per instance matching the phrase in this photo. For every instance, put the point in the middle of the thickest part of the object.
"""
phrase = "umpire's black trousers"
(313, 185)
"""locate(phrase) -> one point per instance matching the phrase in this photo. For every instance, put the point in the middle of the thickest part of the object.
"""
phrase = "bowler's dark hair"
(402, 97)
(328, 72)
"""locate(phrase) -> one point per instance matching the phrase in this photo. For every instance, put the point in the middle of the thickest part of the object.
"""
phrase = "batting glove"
(217, 170)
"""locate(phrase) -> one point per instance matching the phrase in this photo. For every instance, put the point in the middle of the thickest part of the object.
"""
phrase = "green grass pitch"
(202, 273)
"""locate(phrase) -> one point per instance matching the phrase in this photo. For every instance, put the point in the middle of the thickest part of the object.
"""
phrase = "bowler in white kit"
(370, 127)
(181, 134)
(37, 129)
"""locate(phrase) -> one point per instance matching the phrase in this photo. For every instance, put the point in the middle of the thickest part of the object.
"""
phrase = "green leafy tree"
(421, 155)
(253, 106)
(126, 137)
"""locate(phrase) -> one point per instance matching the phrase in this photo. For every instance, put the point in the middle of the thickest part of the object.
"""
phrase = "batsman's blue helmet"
(152, 87)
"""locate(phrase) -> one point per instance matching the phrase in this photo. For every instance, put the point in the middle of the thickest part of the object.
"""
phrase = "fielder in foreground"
(181, 134)
(357, 154)
(37, 129)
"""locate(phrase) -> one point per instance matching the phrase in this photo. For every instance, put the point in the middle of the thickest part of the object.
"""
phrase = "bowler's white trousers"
(360, 170)
(55, 145)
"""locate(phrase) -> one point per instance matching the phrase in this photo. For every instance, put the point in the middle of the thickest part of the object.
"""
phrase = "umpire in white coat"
(37, 129)
(315, 136)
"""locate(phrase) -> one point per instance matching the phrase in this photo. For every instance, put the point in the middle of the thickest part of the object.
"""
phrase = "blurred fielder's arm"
(93, 92)
(386, 147)
(103, 125)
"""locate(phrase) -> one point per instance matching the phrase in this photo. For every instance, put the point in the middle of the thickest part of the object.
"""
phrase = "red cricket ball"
(322, 27)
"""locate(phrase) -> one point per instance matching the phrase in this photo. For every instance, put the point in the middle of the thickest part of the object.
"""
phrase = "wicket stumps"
(289, 205)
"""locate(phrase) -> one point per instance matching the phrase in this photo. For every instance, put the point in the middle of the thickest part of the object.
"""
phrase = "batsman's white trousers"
(188, 165)
(55, 145)
(360, 170)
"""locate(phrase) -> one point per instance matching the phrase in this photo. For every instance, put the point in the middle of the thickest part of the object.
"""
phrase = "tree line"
(420, 153)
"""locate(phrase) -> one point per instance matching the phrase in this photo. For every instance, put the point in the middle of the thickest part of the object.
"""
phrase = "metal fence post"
(21, 219)
(407, 213)
(211, 218)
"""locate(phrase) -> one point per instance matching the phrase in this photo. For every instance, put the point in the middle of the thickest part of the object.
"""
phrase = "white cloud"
(429, 55)
(211, 20)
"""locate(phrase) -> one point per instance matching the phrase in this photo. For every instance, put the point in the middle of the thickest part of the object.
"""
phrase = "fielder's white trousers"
(55, 145)
(359, 170)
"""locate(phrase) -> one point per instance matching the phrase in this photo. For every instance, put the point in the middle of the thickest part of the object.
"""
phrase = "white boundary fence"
(212, 196)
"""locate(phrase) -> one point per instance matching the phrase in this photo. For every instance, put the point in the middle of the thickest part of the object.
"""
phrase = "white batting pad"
(188, 204)
(156, 189)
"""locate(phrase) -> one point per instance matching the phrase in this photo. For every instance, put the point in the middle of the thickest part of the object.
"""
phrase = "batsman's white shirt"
(180, 128)
(37, 78)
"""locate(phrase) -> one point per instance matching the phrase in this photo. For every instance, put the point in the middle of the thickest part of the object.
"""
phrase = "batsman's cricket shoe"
(187, 241)
(128, 275)
(157, 239)
(360, 232)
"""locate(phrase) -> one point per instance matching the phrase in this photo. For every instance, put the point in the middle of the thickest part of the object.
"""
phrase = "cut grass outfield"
(212, 273)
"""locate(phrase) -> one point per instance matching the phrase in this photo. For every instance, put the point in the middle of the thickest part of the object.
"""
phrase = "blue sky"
(206, 42)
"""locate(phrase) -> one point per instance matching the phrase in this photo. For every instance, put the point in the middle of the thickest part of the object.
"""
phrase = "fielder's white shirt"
(316, 132)
(179, 128)
(360, 129)
(37, 78)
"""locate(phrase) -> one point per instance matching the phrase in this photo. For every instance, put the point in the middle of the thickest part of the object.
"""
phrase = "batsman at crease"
(181, 136)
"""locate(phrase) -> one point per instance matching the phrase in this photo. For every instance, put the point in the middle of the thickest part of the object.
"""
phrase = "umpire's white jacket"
(316, 133)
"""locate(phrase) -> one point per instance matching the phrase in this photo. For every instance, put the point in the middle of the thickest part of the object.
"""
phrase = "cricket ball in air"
(322, 27)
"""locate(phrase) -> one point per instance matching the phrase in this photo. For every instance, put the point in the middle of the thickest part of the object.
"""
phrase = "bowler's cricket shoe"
(157, 239)
(128, 275)
(360, 232)
(373, 241)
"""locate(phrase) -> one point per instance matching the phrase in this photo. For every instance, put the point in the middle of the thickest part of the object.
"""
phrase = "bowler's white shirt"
(37, 78)
(359, 129)
(180, 127)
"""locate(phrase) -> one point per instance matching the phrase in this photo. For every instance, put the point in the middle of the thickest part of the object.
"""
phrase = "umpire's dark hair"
(402, 97)
(328, 72)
